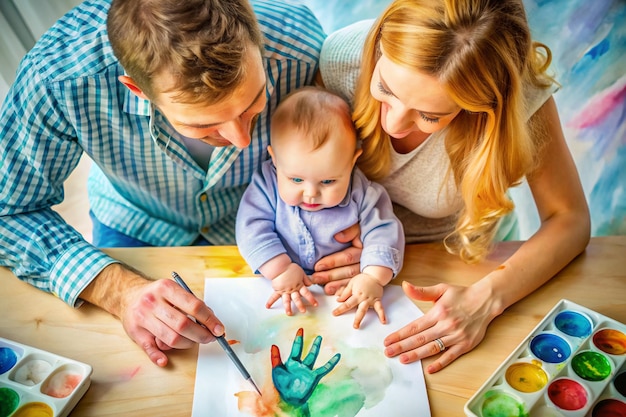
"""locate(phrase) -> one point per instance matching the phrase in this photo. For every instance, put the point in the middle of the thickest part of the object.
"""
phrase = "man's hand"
(154, 314)
(334, 271)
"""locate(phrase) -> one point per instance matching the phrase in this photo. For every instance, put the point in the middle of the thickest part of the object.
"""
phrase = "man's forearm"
(111, 286)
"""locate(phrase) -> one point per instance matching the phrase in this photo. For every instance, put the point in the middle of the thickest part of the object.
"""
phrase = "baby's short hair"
(316, 111)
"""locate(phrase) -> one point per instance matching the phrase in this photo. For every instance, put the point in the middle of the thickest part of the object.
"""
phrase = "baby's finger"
(307, 281)
(360, 314)
(287, 304)
(335, 287)
(295, 296)
(347, 306)
(273, 298)
(378, 308)
(308, 295)
(344, 293)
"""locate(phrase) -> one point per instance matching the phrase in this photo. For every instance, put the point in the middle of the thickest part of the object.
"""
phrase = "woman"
(454, 107)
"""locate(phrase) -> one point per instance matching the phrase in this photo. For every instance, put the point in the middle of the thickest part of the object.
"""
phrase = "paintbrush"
(221, 340)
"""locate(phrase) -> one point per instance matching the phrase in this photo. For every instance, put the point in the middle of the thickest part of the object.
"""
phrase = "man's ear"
(132, 86)
(271, 152)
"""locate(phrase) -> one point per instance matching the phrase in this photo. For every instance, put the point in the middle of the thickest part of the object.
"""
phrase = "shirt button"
(203, 197)
(205, 229)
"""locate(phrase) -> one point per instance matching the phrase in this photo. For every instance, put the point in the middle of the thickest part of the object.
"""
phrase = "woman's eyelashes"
(383, 90)
(429, 119)
(424, 117)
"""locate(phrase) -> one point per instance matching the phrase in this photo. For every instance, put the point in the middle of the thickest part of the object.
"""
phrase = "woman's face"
(410, 101)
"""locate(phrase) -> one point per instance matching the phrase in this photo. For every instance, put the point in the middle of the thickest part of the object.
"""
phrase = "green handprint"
(296, 380)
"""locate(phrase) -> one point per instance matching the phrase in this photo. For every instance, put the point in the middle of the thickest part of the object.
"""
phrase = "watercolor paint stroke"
(363, 383)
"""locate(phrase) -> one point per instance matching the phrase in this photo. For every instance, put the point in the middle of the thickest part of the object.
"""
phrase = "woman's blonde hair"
(482, 53)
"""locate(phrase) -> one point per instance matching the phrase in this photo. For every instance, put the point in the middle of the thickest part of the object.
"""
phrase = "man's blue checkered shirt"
(67, 100)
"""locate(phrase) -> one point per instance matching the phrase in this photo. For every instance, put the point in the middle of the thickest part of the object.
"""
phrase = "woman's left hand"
(455, 324)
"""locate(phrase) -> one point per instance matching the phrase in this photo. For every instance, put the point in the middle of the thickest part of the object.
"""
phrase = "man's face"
(225, 123)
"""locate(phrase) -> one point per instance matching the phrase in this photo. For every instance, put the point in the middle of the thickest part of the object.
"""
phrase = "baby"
(309, 191)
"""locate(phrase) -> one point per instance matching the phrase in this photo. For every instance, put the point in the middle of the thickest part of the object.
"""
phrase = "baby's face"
(314, 179)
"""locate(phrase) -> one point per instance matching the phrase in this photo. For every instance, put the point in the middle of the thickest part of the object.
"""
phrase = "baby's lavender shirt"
(267, 227)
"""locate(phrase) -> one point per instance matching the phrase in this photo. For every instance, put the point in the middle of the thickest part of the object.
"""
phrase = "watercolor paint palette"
(573, 364)
(34, 382)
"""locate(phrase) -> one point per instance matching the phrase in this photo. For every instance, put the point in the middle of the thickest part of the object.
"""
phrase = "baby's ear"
(357, 153)
(271, 152)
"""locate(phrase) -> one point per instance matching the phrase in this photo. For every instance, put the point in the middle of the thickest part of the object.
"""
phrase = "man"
(172, 102)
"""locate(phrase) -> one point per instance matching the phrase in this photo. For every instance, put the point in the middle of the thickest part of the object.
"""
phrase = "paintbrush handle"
(220, 339)
(233, 356)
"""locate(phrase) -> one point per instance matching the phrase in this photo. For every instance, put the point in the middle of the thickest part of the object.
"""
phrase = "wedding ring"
(442, 347)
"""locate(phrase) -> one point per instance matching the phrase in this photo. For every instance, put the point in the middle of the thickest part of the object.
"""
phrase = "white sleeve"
(537, 97)
(340, 59)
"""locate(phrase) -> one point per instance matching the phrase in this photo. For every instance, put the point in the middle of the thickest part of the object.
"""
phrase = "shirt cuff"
(385, 256)
(75, 269)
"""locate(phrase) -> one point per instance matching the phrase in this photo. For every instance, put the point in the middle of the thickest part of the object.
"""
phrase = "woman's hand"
(459, 319)
(334, 271)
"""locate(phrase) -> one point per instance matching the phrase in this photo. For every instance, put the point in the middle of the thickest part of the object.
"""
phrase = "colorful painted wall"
(588, 42)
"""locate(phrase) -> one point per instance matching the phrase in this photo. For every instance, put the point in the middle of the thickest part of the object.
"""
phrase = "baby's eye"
(326, 182)
(296, 180)
(429, 119)
(383, 90)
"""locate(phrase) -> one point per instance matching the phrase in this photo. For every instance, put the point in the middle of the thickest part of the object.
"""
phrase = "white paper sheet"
(363, 383)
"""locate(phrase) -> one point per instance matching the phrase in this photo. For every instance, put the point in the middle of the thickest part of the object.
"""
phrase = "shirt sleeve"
(382, 233)
(291, 31)
(39, 151)
(536, 97)
(256, 235)
(340, 59)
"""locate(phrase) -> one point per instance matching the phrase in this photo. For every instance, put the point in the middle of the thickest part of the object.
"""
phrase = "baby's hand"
(291, 285)
(362, 292)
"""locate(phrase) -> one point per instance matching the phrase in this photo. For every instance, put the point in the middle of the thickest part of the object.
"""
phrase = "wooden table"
(125, 382)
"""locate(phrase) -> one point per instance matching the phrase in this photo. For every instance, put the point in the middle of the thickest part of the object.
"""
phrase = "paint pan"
(34, 382)
(572, 364)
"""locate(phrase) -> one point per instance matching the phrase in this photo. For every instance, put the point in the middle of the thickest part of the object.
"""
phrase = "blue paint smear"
(608, 197)
(599, 50)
